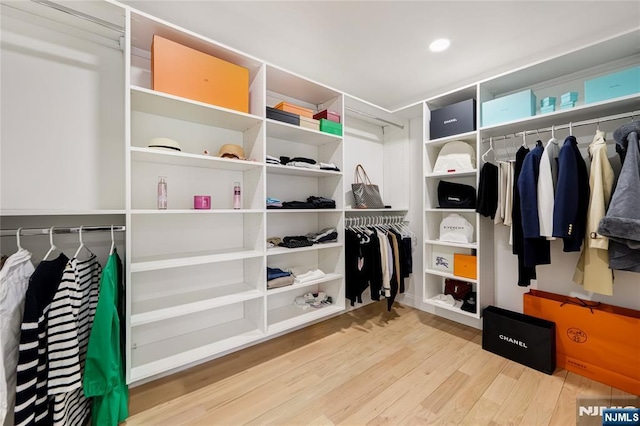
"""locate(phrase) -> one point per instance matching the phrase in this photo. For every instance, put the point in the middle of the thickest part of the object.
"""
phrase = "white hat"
(164, 143)
(456, 156)
(455, 228)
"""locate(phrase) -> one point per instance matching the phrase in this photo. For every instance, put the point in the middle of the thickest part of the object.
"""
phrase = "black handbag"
(521, 338)
(456, 195)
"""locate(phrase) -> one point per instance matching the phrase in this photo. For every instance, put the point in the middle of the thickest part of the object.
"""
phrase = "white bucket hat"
(456, 156)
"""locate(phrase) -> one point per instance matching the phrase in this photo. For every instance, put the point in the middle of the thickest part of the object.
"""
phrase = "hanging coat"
(104, 372)
(592, 270)
(622, 222)
(572, 196)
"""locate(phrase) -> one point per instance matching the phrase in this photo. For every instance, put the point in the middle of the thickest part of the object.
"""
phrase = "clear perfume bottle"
(162, 193)
(237, 198)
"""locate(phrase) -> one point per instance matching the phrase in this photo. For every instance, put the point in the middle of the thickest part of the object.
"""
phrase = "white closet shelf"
(176, 107)
(151, 263)
(157, 357)
(160, 308)
(326, 278)
(451, 174)
(193, 211)
(452, 309)
(289, 316)
(304, 210)
(565, 116)
(277, 169)
(289, 132)
(191, 160)
(283, 250)
(469, 137)
(79, 212)
(443, 210)
(452, 244)
(448, 275)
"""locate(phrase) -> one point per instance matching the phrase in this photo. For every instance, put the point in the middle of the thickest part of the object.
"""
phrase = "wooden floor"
(369, 366)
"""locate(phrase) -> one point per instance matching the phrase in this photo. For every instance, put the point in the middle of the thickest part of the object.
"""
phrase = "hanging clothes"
(395, 277)
(104, 377)
(357, 265)
(592, 270)
(488, 191)
(622, 221)
(14, 281)
(69, 322)
(32, 404)
(572, 196)
(525, 273)
(547, 183)
(537, 250)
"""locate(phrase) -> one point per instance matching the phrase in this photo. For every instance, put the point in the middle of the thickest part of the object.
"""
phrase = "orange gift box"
(464, 265)
(595, 340)
(189, 73)
(295, 109)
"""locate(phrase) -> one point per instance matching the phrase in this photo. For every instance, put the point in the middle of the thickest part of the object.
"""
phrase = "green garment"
(104, 369)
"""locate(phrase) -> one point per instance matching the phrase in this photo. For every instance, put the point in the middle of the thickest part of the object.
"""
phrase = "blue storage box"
(569, 97)
(548, 101)
(614, 85)
(508, 108)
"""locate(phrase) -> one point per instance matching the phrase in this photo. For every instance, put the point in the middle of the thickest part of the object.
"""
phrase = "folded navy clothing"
(328, 238)
(273, 273)
(322, 203)
(297, 205)
(301, 159)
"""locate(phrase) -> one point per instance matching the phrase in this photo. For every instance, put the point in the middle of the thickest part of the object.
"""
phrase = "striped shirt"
(69, 325)
(32, 405)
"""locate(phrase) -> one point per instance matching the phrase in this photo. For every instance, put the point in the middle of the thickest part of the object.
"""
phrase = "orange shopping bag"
(595, 340)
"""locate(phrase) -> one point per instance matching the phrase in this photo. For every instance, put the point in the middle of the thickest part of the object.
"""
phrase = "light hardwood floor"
(368, 366)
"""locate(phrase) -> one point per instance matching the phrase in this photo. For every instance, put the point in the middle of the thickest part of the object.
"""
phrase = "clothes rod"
(631, 115)
(60, 230)
(80, 15)
(374, 220)
(374, 117)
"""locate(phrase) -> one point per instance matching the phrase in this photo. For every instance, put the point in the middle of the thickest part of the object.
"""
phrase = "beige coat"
(592, 270)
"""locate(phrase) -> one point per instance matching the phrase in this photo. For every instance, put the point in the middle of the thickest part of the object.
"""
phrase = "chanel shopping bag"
(521, 338)
(595, 340)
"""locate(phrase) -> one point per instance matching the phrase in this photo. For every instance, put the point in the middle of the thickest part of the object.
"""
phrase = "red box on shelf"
(329, 115)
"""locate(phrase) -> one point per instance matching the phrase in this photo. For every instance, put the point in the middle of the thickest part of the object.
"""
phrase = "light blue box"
(569, 97)
(548, 101)
(509, 108)
(611, 86)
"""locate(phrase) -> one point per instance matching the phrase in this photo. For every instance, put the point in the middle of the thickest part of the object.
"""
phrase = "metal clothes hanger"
(524, 139)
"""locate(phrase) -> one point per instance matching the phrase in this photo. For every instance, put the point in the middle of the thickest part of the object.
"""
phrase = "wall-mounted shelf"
(279, 130)
(448, 275)
(150, 263)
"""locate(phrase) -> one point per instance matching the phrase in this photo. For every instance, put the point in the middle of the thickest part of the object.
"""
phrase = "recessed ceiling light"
(439, 45)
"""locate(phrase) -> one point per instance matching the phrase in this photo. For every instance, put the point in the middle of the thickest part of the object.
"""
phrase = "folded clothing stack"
(324, 236)
(322, 203)
(276, 277)
(295, 242)
(316, 274)
(273, 160)
(273, 203)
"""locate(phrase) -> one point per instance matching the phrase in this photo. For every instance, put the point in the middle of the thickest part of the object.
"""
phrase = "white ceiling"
(378, 50)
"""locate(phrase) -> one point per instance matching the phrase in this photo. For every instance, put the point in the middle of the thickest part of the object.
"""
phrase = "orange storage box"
(182, 71)
(464, 265)
(301, 111)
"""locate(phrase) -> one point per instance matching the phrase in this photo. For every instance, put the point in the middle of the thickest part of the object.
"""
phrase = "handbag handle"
(361, 176)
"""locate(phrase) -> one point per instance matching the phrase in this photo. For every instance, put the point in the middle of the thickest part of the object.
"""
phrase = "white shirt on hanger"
(14, 281)
(547, 181)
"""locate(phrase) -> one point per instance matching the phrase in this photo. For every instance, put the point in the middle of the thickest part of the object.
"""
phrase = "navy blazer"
(572, 196)
(537, 250)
